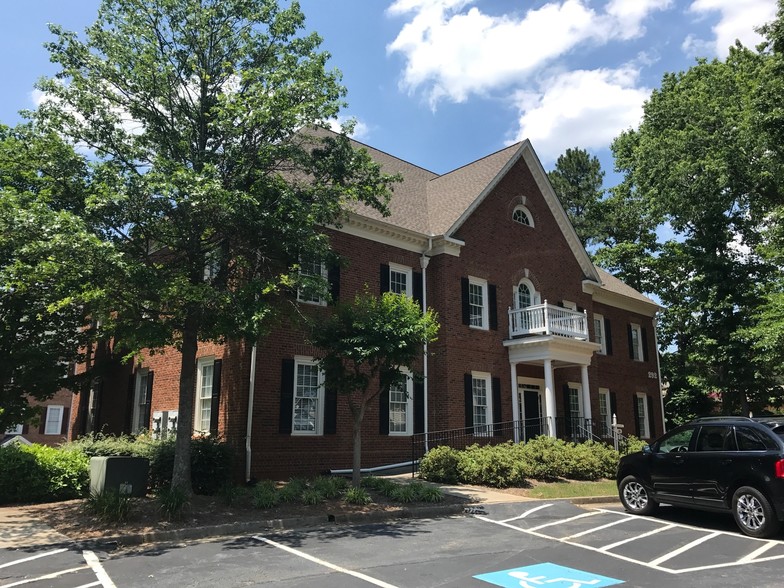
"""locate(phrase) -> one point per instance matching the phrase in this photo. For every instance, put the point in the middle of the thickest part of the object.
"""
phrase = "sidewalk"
(19, 529)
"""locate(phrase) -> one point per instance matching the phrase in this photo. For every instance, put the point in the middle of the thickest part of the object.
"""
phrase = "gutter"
(251, 389)
(423, 262)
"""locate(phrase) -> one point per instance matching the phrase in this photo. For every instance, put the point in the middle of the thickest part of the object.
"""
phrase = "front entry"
(530, 392)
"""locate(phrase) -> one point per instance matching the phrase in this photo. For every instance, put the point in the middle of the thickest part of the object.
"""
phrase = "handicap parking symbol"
(546, 575)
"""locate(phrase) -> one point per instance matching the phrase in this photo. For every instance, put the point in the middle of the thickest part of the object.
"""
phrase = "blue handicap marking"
(546, 575)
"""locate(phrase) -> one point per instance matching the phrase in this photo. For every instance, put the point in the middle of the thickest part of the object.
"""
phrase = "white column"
(515, 405)
(586, 395)
(549, 396)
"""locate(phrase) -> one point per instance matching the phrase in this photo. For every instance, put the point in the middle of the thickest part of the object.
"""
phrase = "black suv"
(731, 464)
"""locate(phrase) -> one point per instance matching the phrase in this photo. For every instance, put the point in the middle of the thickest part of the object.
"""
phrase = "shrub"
(292, 492)
(426, 493)
(440, 465)
(329, 487)
(490, 465)
(172, 502)
(265, 495)
(312, 496)
(404, 493)
(37, 473)
(100, 445)
(357, 496)
(544, 458)
(211, 464)
(633, 445)
(110, 506)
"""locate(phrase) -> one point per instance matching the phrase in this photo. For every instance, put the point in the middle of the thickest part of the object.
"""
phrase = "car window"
(716, 438)
(751, 440)
(676, 441)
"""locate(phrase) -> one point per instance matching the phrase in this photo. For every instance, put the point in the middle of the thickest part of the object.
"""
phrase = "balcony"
(548, 319)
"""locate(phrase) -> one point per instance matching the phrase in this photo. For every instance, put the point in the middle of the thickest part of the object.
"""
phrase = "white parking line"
(630, 539)
(32, 557)
(95, 564)
(570, 519)
(326, 564)
(46, 577)
(526, 513)
(760, 551)
(599, 528)
(683, 549)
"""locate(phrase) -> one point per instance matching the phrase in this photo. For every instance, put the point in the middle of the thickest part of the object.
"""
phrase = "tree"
(365, 345)
(698, 164)
(209, 178)
(577, 180)
(45, 298)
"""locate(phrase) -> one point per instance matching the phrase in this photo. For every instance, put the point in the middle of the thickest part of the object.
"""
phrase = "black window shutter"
(148, 398)
(567, 411)
(384, 278)
(496, 384)
(469, 400)
(651, 420)
(215, 401)
(383, 412)
(466, 307)
(636, 416)
(25, 429)
(631, 341)
(644, 344)
(128, 402)
(333, 277)
(608, 336)
(492, 301)
(419, 407)
(64, 426)
(416, 288)
(42, 424)
(99, 405)
(330, 410)
(613, 406)
(286, 395)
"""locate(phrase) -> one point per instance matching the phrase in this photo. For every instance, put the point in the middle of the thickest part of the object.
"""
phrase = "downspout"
(423, 262)
(658, 373)
(251, 389)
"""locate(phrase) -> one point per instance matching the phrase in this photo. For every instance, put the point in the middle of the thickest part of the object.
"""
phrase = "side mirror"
(647, 450)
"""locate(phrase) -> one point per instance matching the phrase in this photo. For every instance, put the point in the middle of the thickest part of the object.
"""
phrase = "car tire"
(753, 513)
(635, 497)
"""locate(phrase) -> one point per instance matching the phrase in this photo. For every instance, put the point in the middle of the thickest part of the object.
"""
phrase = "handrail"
(548, 319)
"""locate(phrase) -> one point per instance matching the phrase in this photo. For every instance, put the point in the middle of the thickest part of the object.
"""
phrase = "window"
(483, 409)
(716, 438)
(401, 408)
(598, 333)
(203, 405)
(751, 440)
(641, 408)
(635, 342)
(54, 420)
(309, 290)
(212, 264)
(140, 401)
(308, 398)
(605, 411)
(477, 303)
(16, 430)
(524, 296)
(676, 442)
(400, 280)
(575, 400)
(522, 216)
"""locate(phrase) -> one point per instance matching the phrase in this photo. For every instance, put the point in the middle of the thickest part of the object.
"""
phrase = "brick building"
(531, 331)
(53, 425)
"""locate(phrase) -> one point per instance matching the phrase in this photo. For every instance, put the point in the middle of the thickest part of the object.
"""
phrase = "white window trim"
(321, 301)
(527, 212)
(197, 411)
(137, 394)
(47, 428)
(535, 297)
(319, 430)
(488, 425)
(638, 350)
(485, 314)
(15, 430)
(605, 393)
(600, 332)
(409, 385)
(402, 269)
(645, 429)
(581, 408)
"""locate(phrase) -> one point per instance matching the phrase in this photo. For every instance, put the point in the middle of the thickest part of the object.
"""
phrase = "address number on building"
(653, 376)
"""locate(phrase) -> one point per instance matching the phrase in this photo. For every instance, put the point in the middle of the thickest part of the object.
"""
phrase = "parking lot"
(524, 545)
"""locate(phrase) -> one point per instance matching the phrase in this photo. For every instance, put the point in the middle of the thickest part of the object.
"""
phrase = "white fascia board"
(616, 300)
(388, 234)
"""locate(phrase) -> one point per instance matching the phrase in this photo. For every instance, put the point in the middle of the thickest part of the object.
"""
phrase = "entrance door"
(530, 402)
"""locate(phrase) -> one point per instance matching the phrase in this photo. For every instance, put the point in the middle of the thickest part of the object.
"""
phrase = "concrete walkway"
(19, 529)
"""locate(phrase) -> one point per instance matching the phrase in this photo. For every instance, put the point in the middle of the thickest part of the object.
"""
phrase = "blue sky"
(441, 83)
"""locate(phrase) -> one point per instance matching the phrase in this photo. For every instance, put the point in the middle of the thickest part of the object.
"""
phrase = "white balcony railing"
(548, 319)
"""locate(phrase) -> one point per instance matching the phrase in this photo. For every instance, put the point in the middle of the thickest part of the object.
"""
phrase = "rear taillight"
(780, 468)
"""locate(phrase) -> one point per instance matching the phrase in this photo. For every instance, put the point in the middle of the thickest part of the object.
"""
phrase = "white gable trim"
(526, 151)
(617, 300)
(388, 234)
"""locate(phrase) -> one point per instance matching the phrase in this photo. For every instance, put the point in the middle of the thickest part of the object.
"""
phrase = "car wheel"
(635, 498)
(753, 513)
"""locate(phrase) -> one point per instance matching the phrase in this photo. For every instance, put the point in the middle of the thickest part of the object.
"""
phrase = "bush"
(172, 502)
(109, 506)
(211, 464)
(265, 495)
(633, 445)
(329, 487)
(357, 496)
(491, 465)
(544, 458)
(440, 465)
(37, 473)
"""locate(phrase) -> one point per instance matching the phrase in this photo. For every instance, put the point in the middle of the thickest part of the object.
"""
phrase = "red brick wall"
(34, 432)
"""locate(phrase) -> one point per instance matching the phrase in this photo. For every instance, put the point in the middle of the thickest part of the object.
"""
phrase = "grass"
(572, 489)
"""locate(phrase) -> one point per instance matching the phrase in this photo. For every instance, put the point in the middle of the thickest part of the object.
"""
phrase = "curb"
(595, 500)
(242, 528)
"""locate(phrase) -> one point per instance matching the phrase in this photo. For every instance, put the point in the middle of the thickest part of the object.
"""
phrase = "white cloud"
(737, 20)
(580, 108)
(360, 132)
(454, 53)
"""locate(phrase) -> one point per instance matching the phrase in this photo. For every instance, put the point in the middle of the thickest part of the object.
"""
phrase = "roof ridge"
(474, 162)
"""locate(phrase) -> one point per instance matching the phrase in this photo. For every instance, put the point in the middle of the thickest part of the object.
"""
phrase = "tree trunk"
(181, 474)
(356, 474)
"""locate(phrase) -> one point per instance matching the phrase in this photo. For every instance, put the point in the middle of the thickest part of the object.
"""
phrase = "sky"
(441, 83)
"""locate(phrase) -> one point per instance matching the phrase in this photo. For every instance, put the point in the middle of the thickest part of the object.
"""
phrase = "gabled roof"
(616, 293)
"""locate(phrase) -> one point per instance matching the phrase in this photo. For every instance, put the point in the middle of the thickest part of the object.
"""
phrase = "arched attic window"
(525, 294)
(523, 216)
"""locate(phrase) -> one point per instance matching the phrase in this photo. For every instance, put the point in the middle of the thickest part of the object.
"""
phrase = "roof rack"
(708, 419)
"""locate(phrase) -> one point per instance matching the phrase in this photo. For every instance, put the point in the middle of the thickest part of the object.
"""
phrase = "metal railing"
(548, 319)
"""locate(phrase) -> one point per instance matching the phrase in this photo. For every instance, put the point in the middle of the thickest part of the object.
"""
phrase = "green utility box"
(123, 474)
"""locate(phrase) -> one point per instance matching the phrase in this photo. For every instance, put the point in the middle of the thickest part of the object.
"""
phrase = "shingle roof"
(613, 284)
